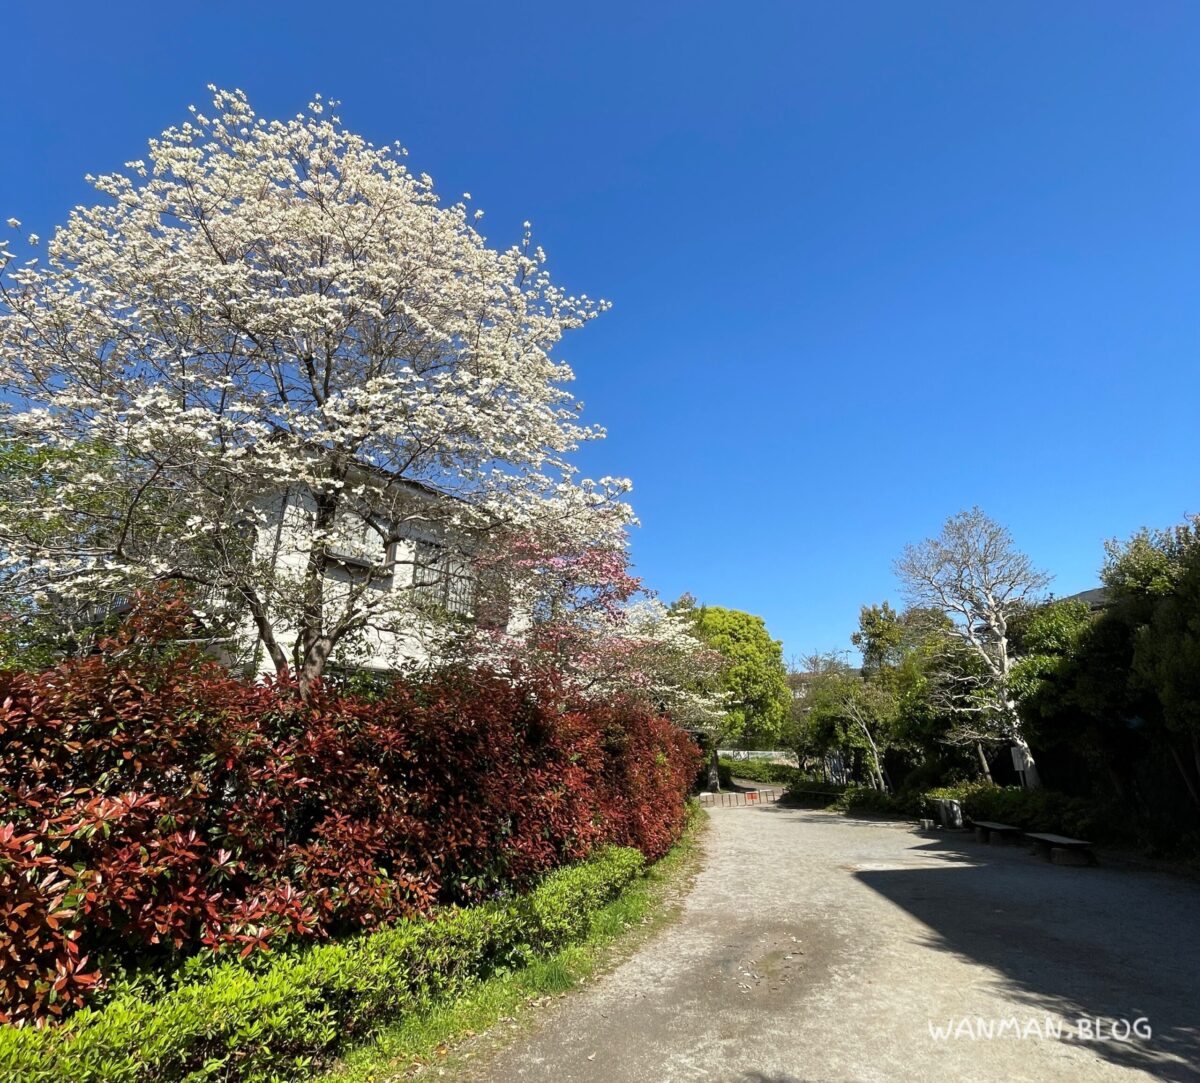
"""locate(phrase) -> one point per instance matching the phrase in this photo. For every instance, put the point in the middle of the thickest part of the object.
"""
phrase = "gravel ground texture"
(815, 946)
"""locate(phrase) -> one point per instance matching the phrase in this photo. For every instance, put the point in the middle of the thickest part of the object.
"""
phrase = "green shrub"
(276, 1022)
(857, 798)
(1030, 810)
(778, 774)
(813, 793)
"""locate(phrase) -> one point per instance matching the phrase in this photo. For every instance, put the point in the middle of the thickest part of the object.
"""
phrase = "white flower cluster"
(266, 307)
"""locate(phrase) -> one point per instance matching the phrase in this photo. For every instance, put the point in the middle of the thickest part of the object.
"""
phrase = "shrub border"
(452, 1034)
(287, 1019)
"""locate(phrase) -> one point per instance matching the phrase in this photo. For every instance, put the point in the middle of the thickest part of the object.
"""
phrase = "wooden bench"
(989, 831)
(1062, 850)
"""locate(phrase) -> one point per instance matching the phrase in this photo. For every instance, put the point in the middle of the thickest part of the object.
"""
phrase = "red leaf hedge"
(152, 804)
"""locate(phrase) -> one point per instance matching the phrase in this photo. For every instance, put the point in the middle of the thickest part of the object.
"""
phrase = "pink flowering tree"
(584, 615)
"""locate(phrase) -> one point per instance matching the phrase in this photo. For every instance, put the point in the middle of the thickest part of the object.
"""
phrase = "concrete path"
(816, 947)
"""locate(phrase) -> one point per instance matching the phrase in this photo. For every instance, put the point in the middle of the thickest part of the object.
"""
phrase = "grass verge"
(490, 1013)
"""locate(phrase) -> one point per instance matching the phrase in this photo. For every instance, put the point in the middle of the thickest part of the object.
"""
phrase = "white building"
(395, 556)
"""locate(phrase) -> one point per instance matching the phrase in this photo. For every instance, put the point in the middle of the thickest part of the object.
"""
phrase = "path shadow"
(1069, 943)
(743, 785)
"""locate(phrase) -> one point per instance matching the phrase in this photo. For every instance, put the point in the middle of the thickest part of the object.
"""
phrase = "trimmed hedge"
(155, 807)
(779, 774)
(281, 1020)
(1030, 810)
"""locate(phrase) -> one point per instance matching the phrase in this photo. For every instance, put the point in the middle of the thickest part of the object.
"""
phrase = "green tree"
(851, 712)
(1155, 580)
(880, 637)
(1121, 685)
(755, 682)
(904, 654)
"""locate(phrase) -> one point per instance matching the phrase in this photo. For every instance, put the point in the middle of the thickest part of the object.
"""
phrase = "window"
(355, 543)
(441, 578)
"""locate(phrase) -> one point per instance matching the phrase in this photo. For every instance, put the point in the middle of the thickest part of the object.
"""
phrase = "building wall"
(282, 544)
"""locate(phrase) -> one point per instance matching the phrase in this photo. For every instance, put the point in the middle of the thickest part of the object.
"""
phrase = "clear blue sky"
(871, 262)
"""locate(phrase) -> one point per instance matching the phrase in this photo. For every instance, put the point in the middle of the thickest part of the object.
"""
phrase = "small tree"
(880, 637)
(851, 712)
(973, 572)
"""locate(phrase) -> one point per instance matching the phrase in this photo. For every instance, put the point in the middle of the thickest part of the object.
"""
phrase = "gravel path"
(817, 947)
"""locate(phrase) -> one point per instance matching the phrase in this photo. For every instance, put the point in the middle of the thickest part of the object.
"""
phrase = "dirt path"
(815, 947)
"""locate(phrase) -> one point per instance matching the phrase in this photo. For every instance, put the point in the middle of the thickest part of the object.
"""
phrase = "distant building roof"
(1096, 598)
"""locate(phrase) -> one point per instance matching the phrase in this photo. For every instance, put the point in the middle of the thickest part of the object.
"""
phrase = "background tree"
(1075, 690)
(277, 319)
(594, 628)
(852, 713)
(798, 733)
(1155, 581)
(905, 650)
(880, 637)
(754, 680)
(974, 574)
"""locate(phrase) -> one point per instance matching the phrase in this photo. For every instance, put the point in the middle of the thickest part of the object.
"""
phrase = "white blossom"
(267, 307)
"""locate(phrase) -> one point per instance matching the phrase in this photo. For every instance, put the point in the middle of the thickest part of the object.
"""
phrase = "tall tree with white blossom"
(277, 320)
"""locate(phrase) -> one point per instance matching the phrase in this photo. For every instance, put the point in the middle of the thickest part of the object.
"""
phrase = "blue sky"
(871, 262)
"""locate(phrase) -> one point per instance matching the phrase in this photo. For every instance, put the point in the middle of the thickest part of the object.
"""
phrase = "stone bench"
(997, 834)
(1062, 850)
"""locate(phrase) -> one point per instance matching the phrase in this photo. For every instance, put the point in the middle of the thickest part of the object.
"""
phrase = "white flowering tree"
(270, 325)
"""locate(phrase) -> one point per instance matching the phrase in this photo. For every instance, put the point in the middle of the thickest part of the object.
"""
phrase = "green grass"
(451, 1034)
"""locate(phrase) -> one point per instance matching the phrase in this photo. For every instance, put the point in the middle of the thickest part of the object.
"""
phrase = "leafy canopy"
(755, 680)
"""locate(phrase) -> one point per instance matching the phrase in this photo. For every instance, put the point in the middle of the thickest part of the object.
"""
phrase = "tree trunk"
(312, 646)
(714, 771)
(1033, 780)
(313, 667)
(875, 760)
(1183, 771)
(983, 763)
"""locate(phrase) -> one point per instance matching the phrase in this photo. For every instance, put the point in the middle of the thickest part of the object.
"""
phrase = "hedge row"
(155, 807)
(1030, 810)
(779, 774)
(284, 1020)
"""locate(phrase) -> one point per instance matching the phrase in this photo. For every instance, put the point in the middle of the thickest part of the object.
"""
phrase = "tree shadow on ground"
(1068, 943)
(744, 785)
